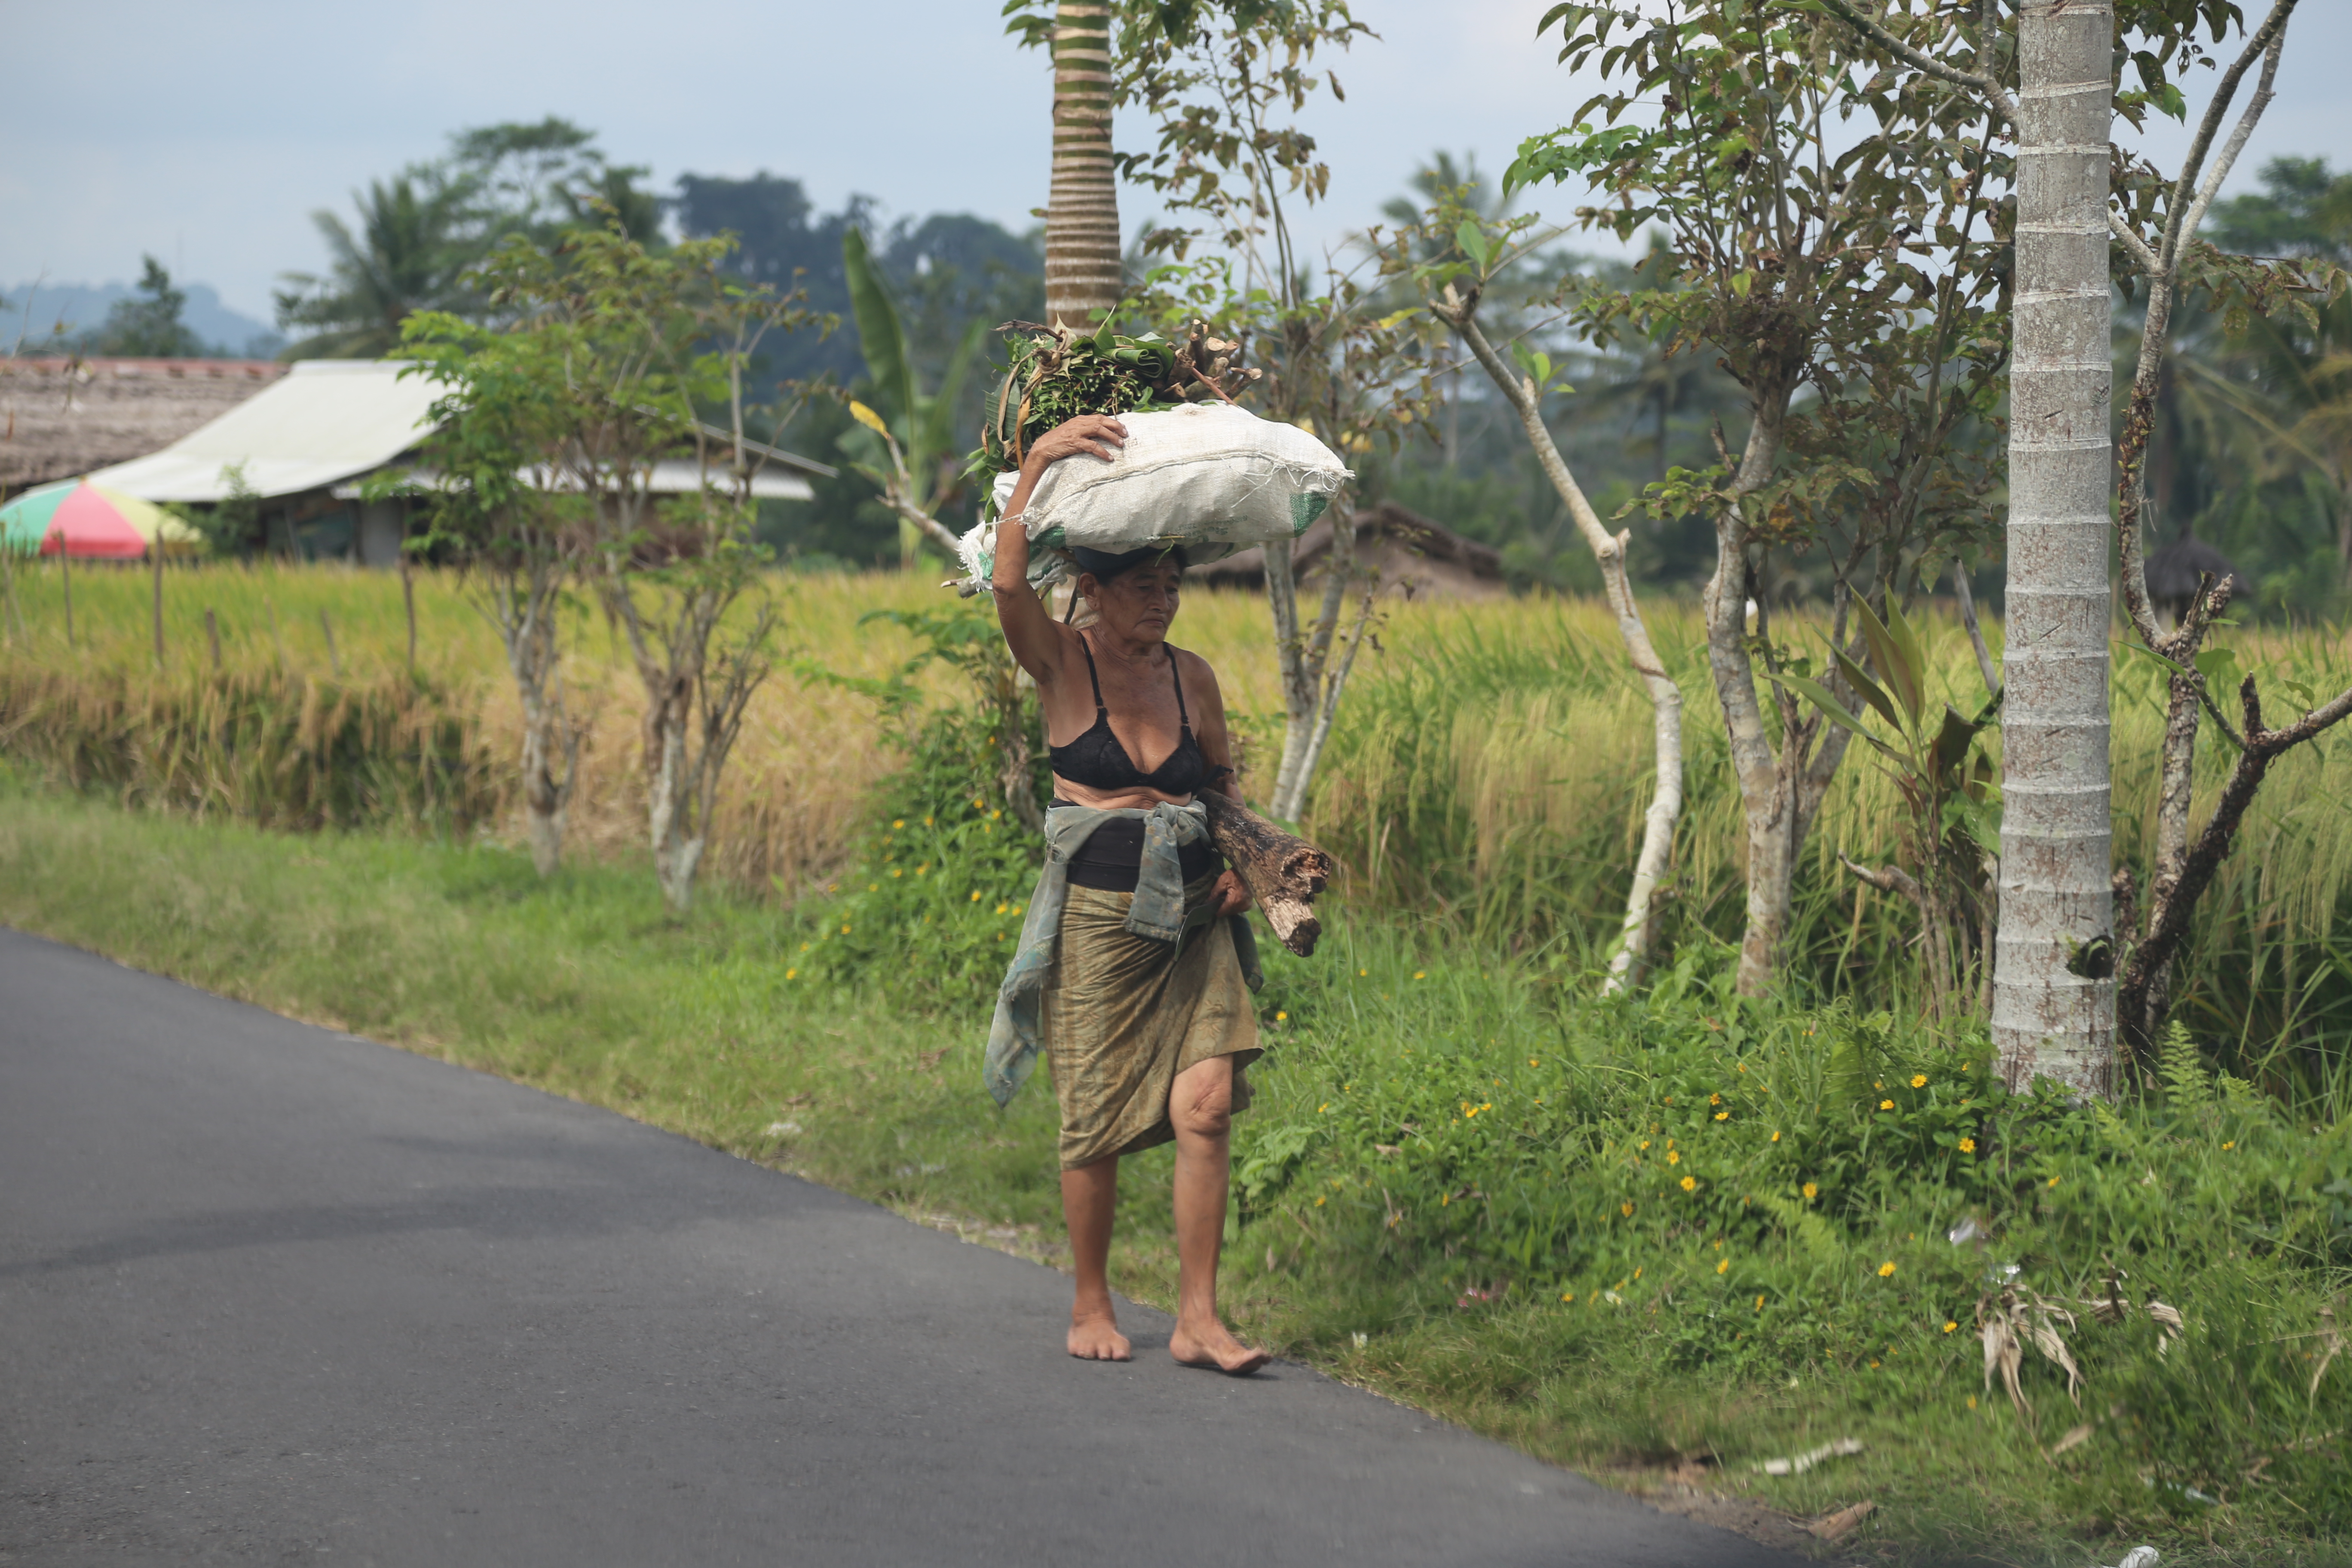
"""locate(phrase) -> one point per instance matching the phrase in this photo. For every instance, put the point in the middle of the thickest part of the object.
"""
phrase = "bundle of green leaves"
(1057, 374)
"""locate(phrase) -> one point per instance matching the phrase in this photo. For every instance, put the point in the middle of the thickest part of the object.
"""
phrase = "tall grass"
(1495, 765)
(1490, 768)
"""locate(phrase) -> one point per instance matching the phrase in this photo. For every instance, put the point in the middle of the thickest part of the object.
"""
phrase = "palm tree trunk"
(1083, 279)
(2053, 993)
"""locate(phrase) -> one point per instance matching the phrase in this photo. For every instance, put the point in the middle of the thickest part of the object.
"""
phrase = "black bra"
(1097, 761)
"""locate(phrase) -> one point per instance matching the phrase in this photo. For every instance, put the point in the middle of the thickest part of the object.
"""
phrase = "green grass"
(584, 986)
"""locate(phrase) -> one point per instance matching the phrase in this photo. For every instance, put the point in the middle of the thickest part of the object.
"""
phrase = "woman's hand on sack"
(1231, 894)
(1097, 435)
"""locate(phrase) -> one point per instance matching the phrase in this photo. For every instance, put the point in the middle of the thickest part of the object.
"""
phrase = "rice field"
(1489, 769)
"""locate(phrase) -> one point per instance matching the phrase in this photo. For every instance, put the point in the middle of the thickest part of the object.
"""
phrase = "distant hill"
(80, 306)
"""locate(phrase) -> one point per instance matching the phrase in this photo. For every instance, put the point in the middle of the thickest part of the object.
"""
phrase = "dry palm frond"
(2006, 1322)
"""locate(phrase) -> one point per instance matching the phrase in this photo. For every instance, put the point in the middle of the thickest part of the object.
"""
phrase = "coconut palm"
(409, 254)
(1082, 275)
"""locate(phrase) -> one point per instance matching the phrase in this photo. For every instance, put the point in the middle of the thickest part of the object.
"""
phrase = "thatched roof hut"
(2175, 571)
(64, 416)
(1416, 557)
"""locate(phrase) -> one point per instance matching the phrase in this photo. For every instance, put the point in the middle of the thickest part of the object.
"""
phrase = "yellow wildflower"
(1887, 1271)
(1282, 1017)
(1690, 1183)
(1724, 1267)
(792, 973)
(1950, 1326)
(2053, 1181)
(898, 822)
(1625, 1209)
(1967, 1145)
(1760, 1301)
(975, 895)
(1776, 1137)
(1674, 1157)
(1885, 1105)
(1714, 1100)
(2230, 1144)
(1918, 1080)
(1723, 1116)
(1811, 1191)
(1569, 1297)
(1420, 974)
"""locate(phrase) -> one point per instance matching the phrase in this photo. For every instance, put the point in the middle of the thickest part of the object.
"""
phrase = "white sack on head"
(1210, 477)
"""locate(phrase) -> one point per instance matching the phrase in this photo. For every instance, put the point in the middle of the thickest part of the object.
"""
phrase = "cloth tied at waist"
(1157, 912)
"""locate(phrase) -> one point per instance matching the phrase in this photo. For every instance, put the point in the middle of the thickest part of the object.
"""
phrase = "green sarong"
(1124, 1014)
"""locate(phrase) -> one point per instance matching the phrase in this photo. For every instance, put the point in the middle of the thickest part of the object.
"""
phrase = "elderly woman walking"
(1133, 973)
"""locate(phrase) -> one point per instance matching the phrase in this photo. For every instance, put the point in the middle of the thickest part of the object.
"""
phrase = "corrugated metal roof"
(671, 477)
(331, 420)
(325, 421)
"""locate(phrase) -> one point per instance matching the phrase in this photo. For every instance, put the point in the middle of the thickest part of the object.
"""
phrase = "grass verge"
(1411, 1201)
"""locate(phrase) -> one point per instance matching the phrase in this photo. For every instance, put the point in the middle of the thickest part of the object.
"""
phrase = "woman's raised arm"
(1029, 629)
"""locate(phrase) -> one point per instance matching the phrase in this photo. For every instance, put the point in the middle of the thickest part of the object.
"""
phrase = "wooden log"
(1282, 871)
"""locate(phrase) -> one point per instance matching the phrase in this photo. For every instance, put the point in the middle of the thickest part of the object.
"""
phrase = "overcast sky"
(207, 134)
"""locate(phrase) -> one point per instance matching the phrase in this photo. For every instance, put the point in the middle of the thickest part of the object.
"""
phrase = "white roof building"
(328, 424)
(327, 421)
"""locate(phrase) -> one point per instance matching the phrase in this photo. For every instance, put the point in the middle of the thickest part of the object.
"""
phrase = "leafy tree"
(2081, 218)
(409, 254)
(501, 426)
(421, 232)
(639, 353)
(1845, 283)
(148, 325)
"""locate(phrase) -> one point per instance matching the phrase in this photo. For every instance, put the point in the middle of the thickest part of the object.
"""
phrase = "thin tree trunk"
(1298, 681)
(2053, 998)
(1310, 688)
(1666, 696)
(1328, 707)
(1082, 267)
(2144, 995)
(1767, 793)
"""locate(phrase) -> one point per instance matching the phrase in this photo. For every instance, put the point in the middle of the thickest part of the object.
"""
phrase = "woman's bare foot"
(1094, 1336)
(1216, 1349)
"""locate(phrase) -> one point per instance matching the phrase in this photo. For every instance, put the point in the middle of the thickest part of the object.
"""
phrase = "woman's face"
(1140, 601)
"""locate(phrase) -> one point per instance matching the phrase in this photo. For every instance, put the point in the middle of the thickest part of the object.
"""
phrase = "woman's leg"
(1090, 1198)
(1202, 1108)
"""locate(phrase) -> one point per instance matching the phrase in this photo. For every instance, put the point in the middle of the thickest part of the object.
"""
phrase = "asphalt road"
(274, 1294)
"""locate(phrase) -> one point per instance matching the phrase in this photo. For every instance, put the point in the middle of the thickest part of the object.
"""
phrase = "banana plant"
(1951, 839)
(915, 430)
